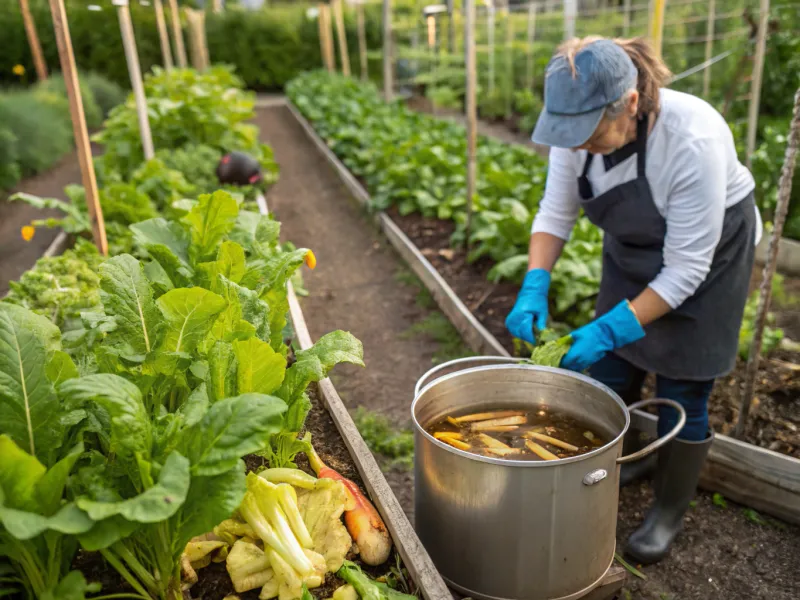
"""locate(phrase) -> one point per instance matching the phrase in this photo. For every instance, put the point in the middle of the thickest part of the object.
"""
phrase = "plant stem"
(141, 572)
(114, 596)
(126, 575)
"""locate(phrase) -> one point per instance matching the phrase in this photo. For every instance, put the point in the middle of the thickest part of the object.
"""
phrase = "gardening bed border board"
(763, 479)
(415, 558)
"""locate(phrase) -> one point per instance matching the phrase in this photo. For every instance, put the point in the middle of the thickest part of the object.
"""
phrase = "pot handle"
(662, 440)
(459, 364)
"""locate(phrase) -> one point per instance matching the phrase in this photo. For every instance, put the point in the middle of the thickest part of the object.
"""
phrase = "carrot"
(362, 521)
(455, 443)
(448, 434)
(452, 421)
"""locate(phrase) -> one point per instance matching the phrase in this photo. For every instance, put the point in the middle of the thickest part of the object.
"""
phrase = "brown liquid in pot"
(517, 435)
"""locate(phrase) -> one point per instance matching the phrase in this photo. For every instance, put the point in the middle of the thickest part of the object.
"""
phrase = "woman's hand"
(531, 307)
(618, 327)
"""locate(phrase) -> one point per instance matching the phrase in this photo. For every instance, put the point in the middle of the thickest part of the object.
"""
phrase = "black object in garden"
(238, 168)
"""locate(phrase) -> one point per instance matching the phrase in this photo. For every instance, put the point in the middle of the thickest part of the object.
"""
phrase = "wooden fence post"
(177, 33)
(490, 42)
(765, 293)
(657, 25)
(163, 36)
(472, 110)
(362, 40)
(340, 33)
(509, 92)
(33, 40)
(709, 46)
(570, 15)
(531, 39)
(135, 73)
(387, 50)
(755, 85)
(70, 73)
(626, 18)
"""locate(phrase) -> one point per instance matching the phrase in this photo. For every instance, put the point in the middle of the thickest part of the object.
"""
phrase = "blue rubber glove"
(531, 306)
(615, 329)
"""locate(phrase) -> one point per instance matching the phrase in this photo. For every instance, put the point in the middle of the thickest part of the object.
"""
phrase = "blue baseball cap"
(574, 105)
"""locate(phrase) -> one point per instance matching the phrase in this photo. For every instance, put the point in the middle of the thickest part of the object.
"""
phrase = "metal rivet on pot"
(595, 476)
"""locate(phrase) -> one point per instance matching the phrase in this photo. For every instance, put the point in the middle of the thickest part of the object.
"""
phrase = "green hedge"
(268, 47)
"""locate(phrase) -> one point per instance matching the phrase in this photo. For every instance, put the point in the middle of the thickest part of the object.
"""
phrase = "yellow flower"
(27, 232)
(18, 70)
(310, 259)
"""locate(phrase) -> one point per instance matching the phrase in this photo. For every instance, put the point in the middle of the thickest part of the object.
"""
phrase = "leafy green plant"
(772, 336)
(443, 96)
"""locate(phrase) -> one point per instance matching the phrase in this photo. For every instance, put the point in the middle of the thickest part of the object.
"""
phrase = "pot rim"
(521, 463)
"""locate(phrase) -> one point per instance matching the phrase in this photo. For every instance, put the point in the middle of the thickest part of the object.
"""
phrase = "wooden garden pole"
(451, 31)
(755, 85)
(362, 39)
(80, 132)
(329, 37)
(570, 14)
(490, 42)
(197, 38)
(135, 73)
(322, 15)
(657, 25)
(509, 62)
(33, 40)
(472, 109)
(430, 21)
(387, 50)
(531, 38)
(709, 46)
(340, 33)
(626, 18)
(177, 32)
(163, 35)
(765, 293)
(217, 6)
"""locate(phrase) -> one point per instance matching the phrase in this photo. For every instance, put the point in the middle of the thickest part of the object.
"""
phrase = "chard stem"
(122, 570)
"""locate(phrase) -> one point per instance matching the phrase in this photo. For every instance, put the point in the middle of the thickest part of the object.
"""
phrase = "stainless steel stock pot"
(502, 529)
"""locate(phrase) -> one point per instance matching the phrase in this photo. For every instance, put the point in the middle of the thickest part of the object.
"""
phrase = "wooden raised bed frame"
(754, 476)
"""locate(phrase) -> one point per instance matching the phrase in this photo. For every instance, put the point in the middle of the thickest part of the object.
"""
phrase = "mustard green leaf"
(260, 368)
(190, 314)
(209, 222)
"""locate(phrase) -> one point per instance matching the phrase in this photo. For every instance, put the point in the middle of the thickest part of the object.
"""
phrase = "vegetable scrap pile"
(517, 434)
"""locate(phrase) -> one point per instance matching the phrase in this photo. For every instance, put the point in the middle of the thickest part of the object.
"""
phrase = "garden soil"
(17, 255)
(724, 552)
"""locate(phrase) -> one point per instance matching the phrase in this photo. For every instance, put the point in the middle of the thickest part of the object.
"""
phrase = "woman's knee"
(693, 397)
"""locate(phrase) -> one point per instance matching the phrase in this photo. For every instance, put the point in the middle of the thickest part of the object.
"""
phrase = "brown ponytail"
(653, 73)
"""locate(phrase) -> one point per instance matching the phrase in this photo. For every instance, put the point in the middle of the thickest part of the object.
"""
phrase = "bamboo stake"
(451, 32)
(509, 62)
(471, 106)
(657, 25)
(755, 86)
(387, 50)
(362, 40)
(163, 35)
(626, 18)
(765, 293)
(340, 33)
(33, 40)
(709, 46)
(531, 37)
(430, 21)
(490, 42)
(570, 15)
(217, 6)
(322, 9)
(135, 73)
(197, 38)
(177, 33)
(329, 37)
(84, 148)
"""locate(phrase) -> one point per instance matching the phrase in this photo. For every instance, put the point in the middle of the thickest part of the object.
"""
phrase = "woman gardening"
(657, 171)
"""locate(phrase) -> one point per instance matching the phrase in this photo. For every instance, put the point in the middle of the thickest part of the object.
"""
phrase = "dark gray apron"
(698, 340)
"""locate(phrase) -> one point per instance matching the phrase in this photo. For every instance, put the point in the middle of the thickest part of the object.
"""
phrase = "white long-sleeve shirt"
(694, 176)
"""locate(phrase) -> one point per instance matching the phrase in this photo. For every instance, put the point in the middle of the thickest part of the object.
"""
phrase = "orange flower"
(18, 70)
(27, 232)
(310, 259)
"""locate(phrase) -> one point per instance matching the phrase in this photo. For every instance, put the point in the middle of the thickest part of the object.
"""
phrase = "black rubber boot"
(678, 471)
(634, 471)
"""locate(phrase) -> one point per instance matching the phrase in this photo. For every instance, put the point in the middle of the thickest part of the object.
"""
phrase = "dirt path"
(359, 284)
(17, 255)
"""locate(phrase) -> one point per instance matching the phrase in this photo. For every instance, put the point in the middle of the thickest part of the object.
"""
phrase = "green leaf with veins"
(168, 244)
(232, 428)
(153, 505)
(190, 314)
(60, 368)
(128, 297)
(29, 408)
(222, 367)
(260, 368)
(230, 263)
(209, 222)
